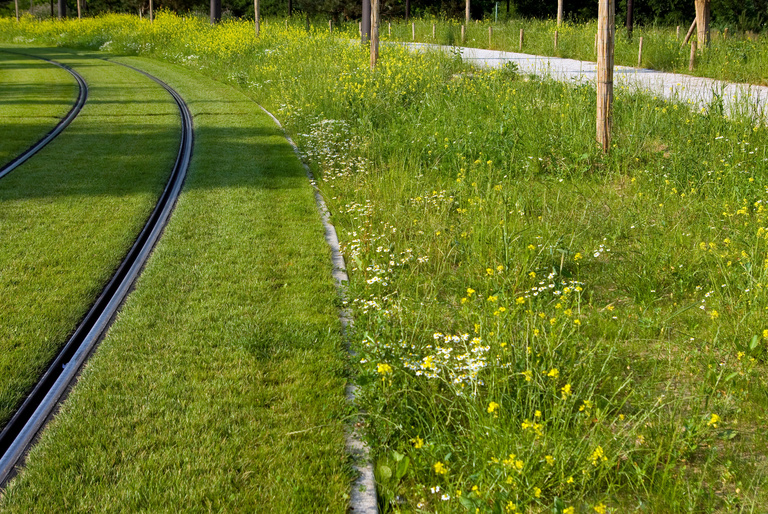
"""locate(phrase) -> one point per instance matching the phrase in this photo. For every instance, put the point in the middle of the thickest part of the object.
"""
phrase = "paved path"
(674, 86)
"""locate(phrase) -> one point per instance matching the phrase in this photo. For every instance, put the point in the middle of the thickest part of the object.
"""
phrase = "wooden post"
(256, 18)
(151, 11)
(79, 11)
(490, 35)
(677, 34)
(692, 61)
(522, 35)
(559, 12)
(466, 12)
(606, 23)
(689, 34)
(215, 11)
(702, 22)
(16, 3)
(630, 18)
(556, 37)
(374, 32)
(389, 26)
(330, 26)
(595, 43)
(365, 25)
(62, 5)
(640, 53)
(413, 31)
(725, 34)
(433, 31)
(462, 34)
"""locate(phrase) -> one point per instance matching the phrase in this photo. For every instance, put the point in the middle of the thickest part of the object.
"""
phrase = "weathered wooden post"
(490, 35)
(560, 12)
(725, 34)
(556, 38)
(522, 36)
(689, 34)
(702, 22)
(256, 17)
(374, 32)
(151, 12)
(640, 53)
(677, 33)
(16, 3)
(413, 31)
(463, 33)
(215, 11)
(433, 31)
(606, 30)
(692, 61)
(466, 12)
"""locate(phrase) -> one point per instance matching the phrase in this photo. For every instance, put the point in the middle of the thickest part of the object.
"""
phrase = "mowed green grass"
(69, 215)
(34, 96)
(220, 386)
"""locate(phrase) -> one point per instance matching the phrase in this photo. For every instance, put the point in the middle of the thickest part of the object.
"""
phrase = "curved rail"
(27, 422)
(82, 96)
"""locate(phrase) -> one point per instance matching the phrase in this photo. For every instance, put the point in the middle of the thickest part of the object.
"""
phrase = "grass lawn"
(70, 214)
(35, 96)
(220, 386)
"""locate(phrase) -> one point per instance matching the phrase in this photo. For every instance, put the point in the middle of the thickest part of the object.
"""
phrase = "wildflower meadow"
(538, 327)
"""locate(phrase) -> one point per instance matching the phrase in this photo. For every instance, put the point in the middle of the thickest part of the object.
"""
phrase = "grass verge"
(36, 95)
(70, 214)
(220, 386)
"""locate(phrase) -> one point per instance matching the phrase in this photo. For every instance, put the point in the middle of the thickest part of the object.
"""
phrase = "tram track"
(22, 429)
(82, 97)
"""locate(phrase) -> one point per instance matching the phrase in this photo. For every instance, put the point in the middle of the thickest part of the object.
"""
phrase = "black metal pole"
(215, 11)
(366, 22)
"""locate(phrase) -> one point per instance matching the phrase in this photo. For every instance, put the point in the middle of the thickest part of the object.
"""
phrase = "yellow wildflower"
(440, 468)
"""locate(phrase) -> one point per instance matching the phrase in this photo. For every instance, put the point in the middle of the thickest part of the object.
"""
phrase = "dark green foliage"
(739, 15)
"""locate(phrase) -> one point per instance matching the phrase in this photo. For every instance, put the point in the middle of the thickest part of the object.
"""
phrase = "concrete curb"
(363, 492)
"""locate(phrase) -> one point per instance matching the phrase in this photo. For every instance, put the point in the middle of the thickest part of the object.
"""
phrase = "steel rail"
(21, 431)
(82, 96)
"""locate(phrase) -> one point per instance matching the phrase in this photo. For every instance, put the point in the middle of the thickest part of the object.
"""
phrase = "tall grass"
(739, 57)
(539, 327)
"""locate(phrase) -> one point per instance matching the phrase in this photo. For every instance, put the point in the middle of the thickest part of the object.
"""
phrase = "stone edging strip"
(363, 493)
